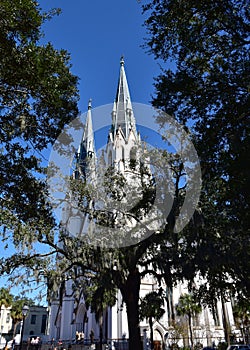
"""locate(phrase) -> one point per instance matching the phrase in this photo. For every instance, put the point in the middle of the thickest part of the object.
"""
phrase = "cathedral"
(71, 321)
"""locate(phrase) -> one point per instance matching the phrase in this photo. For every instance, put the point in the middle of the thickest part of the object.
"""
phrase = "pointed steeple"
(122, 114)
(86, 149)
(88, 135)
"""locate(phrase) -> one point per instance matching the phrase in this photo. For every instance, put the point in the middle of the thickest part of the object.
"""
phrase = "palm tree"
(100, 297)
(16, 313)
(151, 308)
(6, 301)
(241, 312)
(187, 305)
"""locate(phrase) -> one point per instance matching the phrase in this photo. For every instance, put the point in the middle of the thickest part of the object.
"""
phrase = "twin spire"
(123, 120)
(122, 114)
(86, 149)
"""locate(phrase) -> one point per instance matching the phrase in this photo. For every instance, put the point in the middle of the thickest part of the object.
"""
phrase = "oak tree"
(203, 48)
(38, 96)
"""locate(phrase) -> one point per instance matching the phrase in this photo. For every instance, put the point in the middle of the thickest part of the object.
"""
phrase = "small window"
(43, 326)
(8, 317)
(33, 319)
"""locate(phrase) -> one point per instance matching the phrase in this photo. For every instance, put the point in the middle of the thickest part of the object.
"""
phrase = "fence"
(109, 344)
(122, 344)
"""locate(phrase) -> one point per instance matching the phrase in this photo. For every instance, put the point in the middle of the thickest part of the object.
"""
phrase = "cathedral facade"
(70, 320)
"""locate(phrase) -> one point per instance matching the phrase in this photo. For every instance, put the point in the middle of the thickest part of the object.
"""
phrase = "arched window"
(123, 154)
(133, 158)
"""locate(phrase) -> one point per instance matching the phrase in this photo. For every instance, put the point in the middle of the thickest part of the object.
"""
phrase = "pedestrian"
(82, 337)
(92, 336)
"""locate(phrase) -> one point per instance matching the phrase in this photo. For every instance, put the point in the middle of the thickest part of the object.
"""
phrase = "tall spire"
(86, 149)
(88, 135)
(122, 113)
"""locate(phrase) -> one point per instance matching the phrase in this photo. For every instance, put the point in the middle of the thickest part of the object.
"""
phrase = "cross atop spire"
(122, 61)
(90, 104)
(123, 116)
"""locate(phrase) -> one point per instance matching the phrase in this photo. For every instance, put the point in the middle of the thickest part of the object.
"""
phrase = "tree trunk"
(190, 330)
(225, 321)
(172, 306)
(100, 331)
(14, 330)
(130, 293)
(151, 333)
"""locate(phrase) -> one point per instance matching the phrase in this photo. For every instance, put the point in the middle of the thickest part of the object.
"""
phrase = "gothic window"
(133, 158)
(123, 154)
(110, 158)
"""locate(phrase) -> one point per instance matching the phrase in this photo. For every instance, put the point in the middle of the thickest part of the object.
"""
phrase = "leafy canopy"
(38, 96)
(207, 88)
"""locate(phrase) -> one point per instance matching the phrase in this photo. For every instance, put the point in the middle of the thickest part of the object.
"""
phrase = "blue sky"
(96, 33)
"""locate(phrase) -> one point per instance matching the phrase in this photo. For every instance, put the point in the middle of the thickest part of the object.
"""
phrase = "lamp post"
(25, 311)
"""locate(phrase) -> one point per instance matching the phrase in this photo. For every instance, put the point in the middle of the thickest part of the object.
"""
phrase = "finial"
(114, 106)
(122, 60)
(89, 105)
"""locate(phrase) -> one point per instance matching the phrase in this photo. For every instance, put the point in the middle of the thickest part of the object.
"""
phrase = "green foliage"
(207, 46)
(151, 306)
(101, 294)
(187, 305)
(38, 96)
(16, 304)
(16, 308)
(6, 297)
(241, 312)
